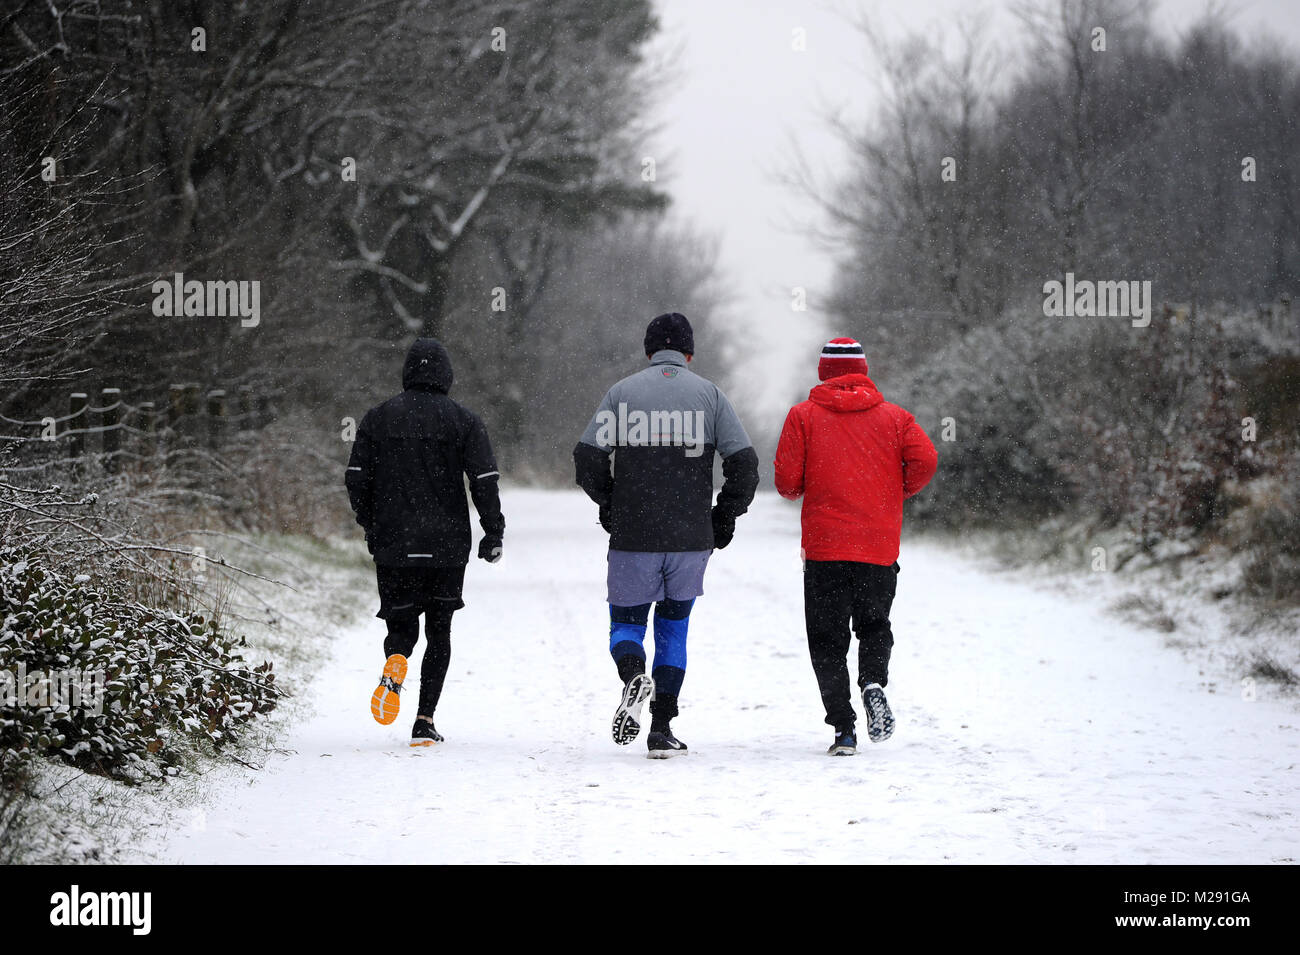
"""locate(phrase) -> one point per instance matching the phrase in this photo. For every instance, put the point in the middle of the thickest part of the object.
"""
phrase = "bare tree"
(501, 108)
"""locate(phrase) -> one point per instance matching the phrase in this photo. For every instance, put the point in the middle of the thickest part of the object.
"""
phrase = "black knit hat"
(670, 331)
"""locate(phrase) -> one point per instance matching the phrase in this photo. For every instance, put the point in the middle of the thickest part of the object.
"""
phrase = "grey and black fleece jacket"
(662, 427)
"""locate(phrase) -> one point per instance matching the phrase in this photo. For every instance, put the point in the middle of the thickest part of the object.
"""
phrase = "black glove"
(489, 549)
(607, 518)
(724, 528)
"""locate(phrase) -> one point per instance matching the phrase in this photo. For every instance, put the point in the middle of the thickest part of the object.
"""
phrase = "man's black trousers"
(837, 593)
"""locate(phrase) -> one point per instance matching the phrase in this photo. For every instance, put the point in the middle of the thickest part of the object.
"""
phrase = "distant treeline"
(1093, 145)
(467, 169)
(1099, 149)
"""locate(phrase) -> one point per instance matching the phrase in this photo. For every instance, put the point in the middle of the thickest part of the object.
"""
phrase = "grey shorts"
(642, 577)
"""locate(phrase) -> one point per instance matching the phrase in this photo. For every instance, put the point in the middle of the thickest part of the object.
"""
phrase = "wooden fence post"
(110, 424)
(175, 405)
(77, 403)
(190, 422)
(183, 414)
(245, 407)
(149, 426)
(175, 411)
(216, 417)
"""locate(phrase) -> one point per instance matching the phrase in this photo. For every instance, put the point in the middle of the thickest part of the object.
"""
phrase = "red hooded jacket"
(854, 458)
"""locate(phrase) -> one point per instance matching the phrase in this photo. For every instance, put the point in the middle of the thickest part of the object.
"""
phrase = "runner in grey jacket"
(662, 427)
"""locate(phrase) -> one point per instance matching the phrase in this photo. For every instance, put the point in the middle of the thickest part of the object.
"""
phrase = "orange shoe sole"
(386, 699)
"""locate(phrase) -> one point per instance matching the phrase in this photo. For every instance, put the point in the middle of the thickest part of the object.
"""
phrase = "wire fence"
(183, 429)
(148, 495)
(195, 457)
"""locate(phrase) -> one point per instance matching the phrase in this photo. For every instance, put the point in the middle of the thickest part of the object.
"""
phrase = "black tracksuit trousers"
(835, 594)
(404, 632)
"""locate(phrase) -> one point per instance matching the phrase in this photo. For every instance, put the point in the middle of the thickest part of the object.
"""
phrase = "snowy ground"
(1033, 728)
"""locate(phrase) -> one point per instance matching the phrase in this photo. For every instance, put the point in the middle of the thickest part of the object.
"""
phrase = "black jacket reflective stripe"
(406, 475)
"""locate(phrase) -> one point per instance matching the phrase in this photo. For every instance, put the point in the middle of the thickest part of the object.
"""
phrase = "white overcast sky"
(736, 96)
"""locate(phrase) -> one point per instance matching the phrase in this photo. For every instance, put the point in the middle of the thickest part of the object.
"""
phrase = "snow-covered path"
(1031, 729)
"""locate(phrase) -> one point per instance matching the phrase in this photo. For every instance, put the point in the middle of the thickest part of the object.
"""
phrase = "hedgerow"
(170, 680)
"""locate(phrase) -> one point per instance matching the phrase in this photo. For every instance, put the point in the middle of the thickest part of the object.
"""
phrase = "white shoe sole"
(880, 720)
(665, 753)
(627, 718)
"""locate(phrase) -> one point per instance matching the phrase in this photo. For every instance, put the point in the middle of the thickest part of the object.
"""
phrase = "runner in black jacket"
(406, 482)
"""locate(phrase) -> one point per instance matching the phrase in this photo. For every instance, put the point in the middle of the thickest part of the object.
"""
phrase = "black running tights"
(404, 633)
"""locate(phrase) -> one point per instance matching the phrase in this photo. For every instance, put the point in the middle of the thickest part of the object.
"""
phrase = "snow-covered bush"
(982, 405)
(1118, 426)
(167, 678)
(1273, 572)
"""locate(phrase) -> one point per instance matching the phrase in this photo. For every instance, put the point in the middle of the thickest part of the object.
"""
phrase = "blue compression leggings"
(627, 628)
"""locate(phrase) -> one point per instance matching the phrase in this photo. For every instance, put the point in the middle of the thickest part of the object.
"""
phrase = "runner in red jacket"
(854, 458)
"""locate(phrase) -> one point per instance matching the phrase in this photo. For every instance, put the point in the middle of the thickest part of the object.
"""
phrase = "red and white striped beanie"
(841, 356)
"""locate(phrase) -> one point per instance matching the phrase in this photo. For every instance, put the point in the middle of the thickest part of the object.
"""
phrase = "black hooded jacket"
(406, 475)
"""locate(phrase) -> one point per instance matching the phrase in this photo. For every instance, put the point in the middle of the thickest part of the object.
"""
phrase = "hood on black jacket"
(428, 366)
